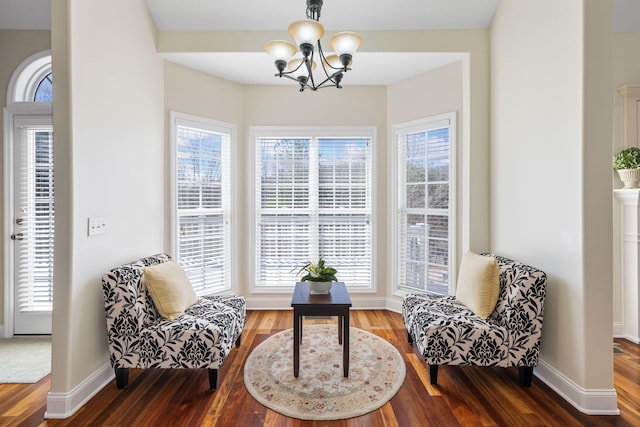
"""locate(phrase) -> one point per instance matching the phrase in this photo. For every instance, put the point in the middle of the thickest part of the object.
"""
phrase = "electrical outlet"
(97, 225)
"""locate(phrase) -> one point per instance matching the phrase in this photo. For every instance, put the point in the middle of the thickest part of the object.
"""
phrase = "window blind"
(425, 180)
(35, 220)
(313, 198)
(202, 205)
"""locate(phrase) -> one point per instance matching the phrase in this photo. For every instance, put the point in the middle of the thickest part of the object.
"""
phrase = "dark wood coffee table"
(336, 303)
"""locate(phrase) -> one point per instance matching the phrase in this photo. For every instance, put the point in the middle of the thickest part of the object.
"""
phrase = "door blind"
(34, 228)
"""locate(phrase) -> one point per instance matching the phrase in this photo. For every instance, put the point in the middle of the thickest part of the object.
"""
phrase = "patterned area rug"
(376, 372)
(24, 360)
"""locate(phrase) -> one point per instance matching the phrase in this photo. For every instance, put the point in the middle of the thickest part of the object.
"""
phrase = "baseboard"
(394, 304)
(283, 302)
(63, 405)
(587, 401)
(635, 340)
(618, 330)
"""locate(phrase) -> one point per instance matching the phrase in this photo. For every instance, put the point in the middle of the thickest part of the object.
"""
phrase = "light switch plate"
(98, 225)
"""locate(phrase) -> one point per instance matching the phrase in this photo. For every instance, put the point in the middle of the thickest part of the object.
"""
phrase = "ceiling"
(370, 68)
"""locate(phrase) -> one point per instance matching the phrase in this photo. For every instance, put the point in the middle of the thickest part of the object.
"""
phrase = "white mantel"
(630, 253)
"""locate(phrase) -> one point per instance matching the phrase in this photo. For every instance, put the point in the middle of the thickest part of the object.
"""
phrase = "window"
(44, 90)
(425, 203)
(313, 198)
(202, 192)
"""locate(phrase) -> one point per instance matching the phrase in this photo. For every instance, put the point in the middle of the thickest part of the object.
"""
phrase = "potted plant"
(627, 163)
(318, 275)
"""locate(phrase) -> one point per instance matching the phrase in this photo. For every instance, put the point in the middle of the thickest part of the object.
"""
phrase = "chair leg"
(409, 338)
(433, 374)
(213, 379)
(239, 340)
(122, 377)
(525, 374)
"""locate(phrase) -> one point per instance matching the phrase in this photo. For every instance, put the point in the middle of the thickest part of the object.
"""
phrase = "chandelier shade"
(306, 31)
(345, 43)
(307, 34)
(280, 50)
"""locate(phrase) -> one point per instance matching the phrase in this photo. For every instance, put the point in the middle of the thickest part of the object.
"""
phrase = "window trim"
(183, 119)
(320, 132)
(408, 127)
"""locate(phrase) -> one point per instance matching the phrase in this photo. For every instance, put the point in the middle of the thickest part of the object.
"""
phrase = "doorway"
(29, 199)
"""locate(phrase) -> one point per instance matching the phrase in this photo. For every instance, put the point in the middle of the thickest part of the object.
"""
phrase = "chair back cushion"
(128, 306)
(520, 309)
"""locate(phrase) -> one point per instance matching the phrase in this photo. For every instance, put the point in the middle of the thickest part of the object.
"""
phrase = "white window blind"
(202, 193)
(425, 204)
(34, 228)
(313, 198)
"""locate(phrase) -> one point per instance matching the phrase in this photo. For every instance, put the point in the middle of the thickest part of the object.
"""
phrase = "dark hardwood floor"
(464, 396)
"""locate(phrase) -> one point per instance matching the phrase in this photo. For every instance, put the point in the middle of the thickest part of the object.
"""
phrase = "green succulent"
(628, 158)
(317, 272)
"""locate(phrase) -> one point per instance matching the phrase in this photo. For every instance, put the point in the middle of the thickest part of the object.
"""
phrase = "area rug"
(376, 372)
(24, 360)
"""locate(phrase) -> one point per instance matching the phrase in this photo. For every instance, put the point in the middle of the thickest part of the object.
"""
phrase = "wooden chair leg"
(433, 374)
(213, 379)
(525, 374)
(122, 377)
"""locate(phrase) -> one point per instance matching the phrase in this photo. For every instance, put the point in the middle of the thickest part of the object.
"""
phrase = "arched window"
(32, 81)
(44, 91)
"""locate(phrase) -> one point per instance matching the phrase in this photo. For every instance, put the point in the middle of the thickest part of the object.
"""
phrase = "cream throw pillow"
(170, 289)
(478, 283)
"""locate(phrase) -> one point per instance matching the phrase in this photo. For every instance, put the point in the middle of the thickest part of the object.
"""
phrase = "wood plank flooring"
(464, 396)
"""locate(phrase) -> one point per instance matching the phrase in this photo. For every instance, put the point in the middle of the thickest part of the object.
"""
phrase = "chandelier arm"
(288, 75)
(324, 61)
(335, 81)
(308, 62)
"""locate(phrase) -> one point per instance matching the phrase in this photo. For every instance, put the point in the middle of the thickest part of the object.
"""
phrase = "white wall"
(551, 176)
(108, 125)
(437, 92)
(349, 106)
(626, 70)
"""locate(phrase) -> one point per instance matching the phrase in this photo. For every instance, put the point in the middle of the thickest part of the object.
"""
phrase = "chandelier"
(307, 34)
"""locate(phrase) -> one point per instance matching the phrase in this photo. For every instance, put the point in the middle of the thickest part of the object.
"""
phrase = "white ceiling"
(369, 68)
(336, 14)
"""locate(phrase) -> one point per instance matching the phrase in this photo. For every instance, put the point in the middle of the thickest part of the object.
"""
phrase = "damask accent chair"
(139, 337)
(446, 332)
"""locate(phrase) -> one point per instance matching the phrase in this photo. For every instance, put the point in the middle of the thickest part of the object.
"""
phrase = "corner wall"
(108, 127)
(551, 180)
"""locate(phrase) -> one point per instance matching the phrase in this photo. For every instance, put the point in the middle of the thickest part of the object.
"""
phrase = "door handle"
(17, 236)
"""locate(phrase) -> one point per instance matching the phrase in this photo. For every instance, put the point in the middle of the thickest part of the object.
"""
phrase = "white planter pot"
(630, 177)
(319, 288)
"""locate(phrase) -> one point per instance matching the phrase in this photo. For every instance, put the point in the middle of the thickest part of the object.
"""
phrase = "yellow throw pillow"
(478, 283)
(170, 288)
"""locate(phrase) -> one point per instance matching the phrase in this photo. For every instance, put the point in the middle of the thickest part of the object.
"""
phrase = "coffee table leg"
(296, 343)
(345, 347)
